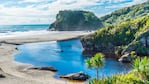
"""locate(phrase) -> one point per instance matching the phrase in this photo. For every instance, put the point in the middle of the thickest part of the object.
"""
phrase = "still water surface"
(66, 56)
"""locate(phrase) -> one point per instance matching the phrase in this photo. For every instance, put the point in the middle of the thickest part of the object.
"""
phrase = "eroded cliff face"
(91, 47)
(75, 21)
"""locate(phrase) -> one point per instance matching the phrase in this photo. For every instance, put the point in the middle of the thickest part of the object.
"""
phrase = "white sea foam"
(26, 33)
(37, 32)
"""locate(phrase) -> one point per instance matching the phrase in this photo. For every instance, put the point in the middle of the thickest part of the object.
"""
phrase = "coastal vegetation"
(124, 30)
(139, 75)
(96, 62)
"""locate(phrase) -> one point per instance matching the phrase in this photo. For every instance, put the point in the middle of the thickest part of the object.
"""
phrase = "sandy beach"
(17, 73)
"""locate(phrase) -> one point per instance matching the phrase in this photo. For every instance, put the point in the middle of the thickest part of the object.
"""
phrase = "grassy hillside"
(125, 14)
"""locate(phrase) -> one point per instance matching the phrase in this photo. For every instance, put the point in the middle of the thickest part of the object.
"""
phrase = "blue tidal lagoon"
(66, 56)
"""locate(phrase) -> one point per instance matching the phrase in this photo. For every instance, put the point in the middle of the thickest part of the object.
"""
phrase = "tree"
(141, 66)
(96, 62)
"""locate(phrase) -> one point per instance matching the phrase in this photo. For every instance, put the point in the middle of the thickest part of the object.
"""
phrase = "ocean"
(23, 30)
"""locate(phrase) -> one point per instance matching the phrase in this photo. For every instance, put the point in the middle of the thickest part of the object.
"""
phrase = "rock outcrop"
(44, 68)
(76, 76)
(75, 20)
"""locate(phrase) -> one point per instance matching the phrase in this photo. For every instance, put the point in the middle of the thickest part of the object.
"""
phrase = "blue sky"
(44, 11)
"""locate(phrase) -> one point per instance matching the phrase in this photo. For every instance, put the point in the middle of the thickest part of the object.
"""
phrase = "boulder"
(125, 58)
(2, 76)
(44, 68)
(76, 76)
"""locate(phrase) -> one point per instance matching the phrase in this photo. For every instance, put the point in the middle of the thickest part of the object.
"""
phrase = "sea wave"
(25, 33)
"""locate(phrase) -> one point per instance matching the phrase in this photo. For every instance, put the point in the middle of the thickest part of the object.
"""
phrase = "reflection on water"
(66, 56)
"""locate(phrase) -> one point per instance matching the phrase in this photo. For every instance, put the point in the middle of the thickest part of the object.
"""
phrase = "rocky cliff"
(76, 20)
(130, 35)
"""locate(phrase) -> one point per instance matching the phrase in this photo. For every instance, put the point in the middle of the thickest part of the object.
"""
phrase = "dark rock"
(62, 50)
(2, 73)
(76, 76)
(2, 76)
(45, 68)
(16, 48)
(88, 52)
(5, 42)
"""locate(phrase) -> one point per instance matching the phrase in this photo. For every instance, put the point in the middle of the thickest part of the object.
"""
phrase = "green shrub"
(139, 75)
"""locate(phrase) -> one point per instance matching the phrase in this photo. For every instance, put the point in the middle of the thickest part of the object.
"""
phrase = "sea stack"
(68, 20)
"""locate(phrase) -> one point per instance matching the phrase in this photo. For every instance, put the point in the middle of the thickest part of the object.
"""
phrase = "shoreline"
(16, 72)
(64, 35)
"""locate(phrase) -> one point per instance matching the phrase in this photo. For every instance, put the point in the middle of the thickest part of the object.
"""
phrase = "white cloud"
(33, 0)
(44, 11)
